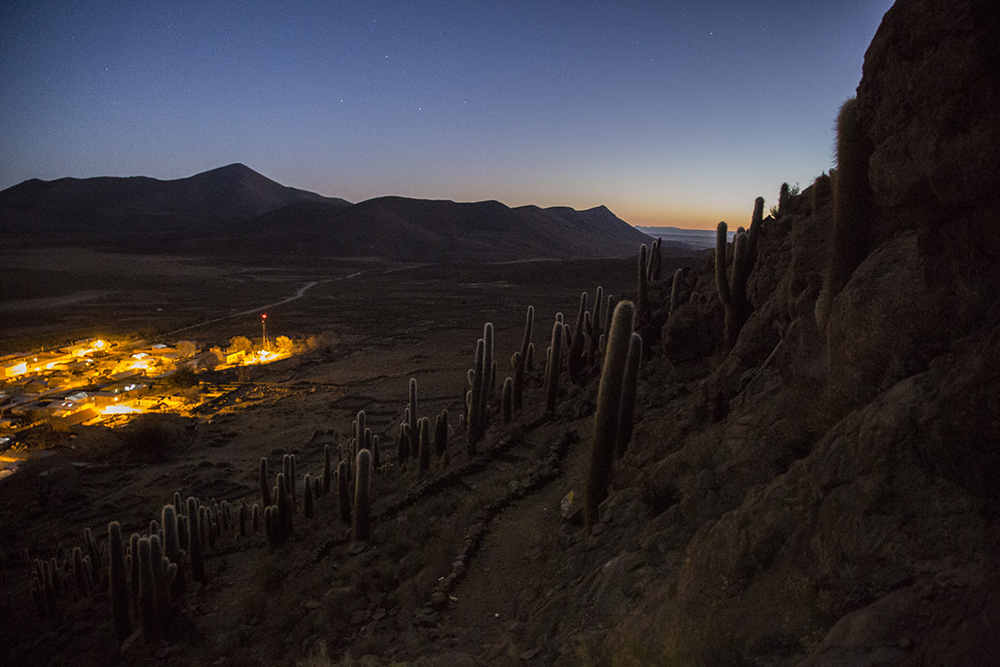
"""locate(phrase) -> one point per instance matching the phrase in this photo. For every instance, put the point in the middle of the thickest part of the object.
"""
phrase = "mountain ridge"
(236, 209)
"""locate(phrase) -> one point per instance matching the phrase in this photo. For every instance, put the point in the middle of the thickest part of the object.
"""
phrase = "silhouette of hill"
(235, 209)
(128, 213)
(431, 230)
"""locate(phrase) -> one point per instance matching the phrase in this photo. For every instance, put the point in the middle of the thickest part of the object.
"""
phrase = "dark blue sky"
(667, 112)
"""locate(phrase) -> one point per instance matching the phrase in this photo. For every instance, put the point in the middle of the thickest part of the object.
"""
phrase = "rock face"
(833, 494)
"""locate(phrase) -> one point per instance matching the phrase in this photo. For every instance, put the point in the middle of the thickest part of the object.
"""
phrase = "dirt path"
(515, 568)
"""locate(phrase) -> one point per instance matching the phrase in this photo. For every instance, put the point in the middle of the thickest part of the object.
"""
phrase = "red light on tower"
(263, 330)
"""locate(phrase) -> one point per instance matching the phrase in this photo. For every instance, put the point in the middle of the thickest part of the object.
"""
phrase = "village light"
(263, 330)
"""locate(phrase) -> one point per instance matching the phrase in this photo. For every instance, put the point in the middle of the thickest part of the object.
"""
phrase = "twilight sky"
(669, 113)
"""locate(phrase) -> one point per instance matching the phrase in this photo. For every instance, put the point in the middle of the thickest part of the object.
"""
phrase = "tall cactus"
(147, 604)
(517, 383)
(642, 292)
(606, 417)
(307, 496)
(734, 295)
(553, 363)
(852, 207)
(473, 420)
(195, 548)
(172, 548)
(118, 585)
(423, 443)
(441, 433)
(343, 492)
(626, 411)
(361, 526)
(327, 454)
(784, 196)
(265, 484)
(575, 360)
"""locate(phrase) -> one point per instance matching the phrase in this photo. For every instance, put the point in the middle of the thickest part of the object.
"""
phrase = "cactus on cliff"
(553, 363)
(626, 411)
(852, 208)
(642, 292)
(606, 417)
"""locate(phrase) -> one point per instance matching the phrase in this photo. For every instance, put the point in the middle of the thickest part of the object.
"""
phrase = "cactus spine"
(606, 418)
(852, 206)
(362, 497)
(118, 585)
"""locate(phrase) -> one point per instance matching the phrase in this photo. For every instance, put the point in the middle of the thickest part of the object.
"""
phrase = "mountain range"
(234, 209)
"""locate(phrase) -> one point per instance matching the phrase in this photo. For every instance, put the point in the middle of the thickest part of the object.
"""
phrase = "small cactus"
(606, 417)
(361, 525)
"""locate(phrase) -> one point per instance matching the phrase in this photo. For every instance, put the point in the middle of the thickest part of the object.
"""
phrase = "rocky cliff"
(828, 495)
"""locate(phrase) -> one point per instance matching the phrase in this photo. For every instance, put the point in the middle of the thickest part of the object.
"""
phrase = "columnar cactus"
(626, 412)
(479, 393)
(286, 509)
(653, 265)
(117, 583)
(133, 567)
(94, 552)
(265, 484)
(783, 198)
(412, 417)
(675, 290)
(172, 548)
(343, 492)
(517, 382)
(642, 292)
(147, 604)
(507, 401)
(756, 220)
(575, 360)
(164, 573)
(553, 362)
(441, 433)
(606, 417)
(362, 497)
(195, 548)
(596, 327)
(307, 496)
(403, 445)
(424, 443)
(734, 296)
(852, 208)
